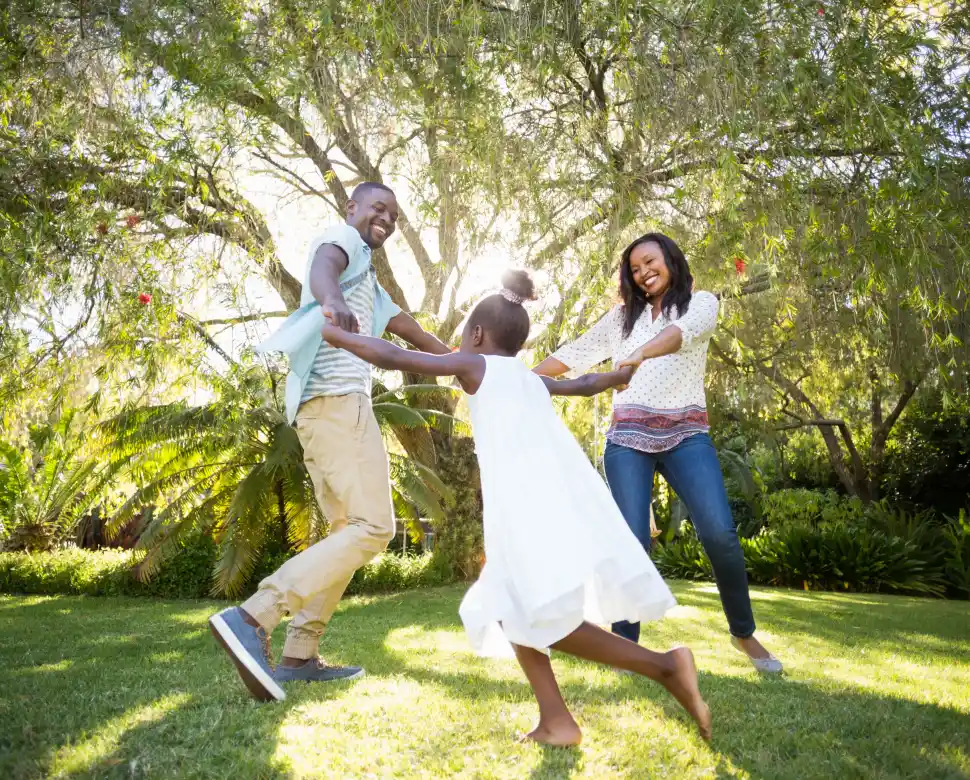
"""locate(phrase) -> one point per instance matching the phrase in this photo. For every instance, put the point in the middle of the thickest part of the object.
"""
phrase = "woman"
(660, 421)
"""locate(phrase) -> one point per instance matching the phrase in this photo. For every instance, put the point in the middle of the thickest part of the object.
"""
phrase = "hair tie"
(510, 296)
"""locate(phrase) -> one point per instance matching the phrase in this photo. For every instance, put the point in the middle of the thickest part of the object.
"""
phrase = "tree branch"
(197, 328)
(806, 423)
(910, 386)
(774, 376)
(259, 316)
(578, 229)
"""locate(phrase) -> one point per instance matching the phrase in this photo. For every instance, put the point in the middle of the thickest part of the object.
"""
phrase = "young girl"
(559, 556)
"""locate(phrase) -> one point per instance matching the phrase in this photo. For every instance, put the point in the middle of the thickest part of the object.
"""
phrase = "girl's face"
(649, 269)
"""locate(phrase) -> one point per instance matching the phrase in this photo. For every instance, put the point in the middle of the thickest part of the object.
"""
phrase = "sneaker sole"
(260, 684)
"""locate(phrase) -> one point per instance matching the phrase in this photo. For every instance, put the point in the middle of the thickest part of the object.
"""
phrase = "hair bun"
(520, 283)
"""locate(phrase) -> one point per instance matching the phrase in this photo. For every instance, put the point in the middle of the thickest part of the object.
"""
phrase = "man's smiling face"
(374, 214)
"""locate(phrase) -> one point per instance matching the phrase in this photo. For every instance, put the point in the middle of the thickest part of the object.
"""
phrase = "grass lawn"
(877, 687)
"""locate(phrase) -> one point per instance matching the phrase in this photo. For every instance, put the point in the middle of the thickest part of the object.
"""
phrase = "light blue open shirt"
(299, 337)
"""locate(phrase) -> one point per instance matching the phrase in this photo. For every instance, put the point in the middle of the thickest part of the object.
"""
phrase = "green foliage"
(823, 541)
(826, 150)
(928, 461)
(101, 573)
(683, 559)
(185, 575)
(48, 485)
(957, 555)
(233, 469)
(389, 572)
(838, 558)
(801, 508)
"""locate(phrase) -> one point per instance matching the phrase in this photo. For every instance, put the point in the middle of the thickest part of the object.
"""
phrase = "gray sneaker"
(248, 647)
(315, 670)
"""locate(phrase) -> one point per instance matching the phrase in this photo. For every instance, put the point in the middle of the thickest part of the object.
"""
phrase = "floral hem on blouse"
(655, 430)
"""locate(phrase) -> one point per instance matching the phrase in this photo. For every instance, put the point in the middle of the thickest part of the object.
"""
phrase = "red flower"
(739, 265)
(102, 228)
(144, 299)
(133, 220)
(821, 11)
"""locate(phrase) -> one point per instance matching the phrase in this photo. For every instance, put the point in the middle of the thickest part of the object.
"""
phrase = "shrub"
(957, 555)
(928, 458)
(839, 558)
(102, 573)
(187, 574)
(798, 508)
(835, 557)
(387, 573)
(682, 559)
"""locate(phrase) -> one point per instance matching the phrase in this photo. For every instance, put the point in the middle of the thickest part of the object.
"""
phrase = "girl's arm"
(590, 349)
(469, 369)
(405, 326)
(590, 384)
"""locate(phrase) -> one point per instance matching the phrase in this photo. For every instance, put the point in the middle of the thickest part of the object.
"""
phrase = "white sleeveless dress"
(557, 549)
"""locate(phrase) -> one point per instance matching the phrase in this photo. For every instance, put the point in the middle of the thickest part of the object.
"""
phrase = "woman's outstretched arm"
(668, 341)
(698, 321)
(468, 368)
(589, 350)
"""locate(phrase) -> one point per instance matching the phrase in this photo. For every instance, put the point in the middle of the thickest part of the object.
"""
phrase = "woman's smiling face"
(649, 269)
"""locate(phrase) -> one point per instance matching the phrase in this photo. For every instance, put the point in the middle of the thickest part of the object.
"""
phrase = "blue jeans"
(693, 471)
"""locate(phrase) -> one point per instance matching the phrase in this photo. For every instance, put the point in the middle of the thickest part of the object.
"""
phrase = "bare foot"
(682, 683)
(558, 733)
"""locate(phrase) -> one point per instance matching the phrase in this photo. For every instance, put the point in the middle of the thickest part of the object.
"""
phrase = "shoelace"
(267, 647)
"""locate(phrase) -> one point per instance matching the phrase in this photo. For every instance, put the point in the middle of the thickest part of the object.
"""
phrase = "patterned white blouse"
(665, 402)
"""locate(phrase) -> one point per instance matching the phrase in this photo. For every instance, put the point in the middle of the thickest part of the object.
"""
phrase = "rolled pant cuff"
(264, 607)
(304, 646)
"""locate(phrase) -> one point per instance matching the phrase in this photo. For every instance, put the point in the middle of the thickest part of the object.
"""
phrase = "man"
(328, 393)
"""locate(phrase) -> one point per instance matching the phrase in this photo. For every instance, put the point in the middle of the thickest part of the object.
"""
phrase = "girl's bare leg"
(556, 726)
(674, 670)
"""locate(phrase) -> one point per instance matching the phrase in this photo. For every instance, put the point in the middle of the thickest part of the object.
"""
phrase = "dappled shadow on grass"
(100, 692)
(782, 728)
(557, 762)
(901, 624)
(122, 688)
(770, 727)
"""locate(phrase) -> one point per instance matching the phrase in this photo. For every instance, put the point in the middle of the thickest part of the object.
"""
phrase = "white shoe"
(769, 665)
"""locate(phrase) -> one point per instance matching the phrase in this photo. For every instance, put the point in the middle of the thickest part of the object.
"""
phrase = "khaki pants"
(345, 456)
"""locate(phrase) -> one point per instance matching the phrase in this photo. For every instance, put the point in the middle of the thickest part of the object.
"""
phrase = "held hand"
(634, 361)
(330, 333)
(624, 375)
(341, 316)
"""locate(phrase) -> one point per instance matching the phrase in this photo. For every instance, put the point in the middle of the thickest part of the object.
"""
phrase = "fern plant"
(234, 469)
(49, 485)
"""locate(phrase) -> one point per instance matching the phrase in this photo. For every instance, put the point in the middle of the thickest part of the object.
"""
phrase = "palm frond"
(160, 545)
(408, 480)
(408, 390)
(303, 517)
(737, 466)
(389, 413)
